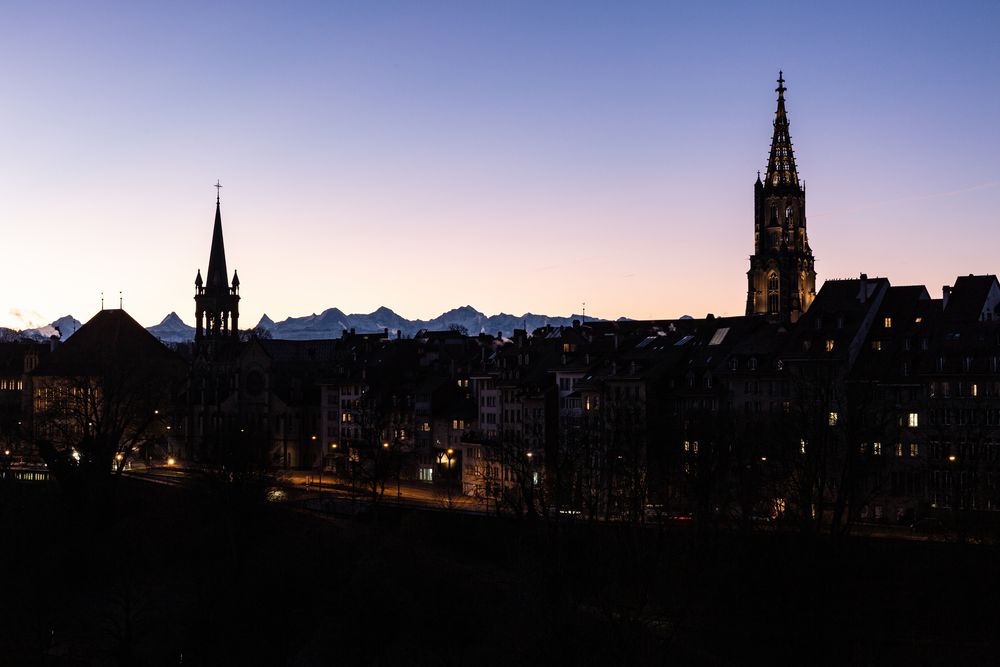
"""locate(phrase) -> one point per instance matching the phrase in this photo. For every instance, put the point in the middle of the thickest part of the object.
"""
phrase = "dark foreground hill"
(169, 576)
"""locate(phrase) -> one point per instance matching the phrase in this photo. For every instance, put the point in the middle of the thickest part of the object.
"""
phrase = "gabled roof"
(109, 339)
(968, 297)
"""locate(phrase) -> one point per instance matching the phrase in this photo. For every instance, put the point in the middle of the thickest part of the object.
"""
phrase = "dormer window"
(887, 323)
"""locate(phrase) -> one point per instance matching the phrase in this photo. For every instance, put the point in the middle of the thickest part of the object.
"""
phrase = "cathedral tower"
(782, 276)
(216, 301)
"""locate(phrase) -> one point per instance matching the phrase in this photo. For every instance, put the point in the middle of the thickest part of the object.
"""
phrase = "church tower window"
(773, 294)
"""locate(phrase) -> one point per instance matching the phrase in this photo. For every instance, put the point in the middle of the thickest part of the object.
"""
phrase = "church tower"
(782, 276)
(217, 302)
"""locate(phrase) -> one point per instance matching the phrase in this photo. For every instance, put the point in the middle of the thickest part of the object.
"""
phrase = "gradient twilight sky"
(512, 156)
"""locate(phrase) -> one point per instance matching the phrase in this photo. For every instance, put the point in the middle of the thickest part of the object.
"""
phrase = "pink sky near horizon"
(515, 158)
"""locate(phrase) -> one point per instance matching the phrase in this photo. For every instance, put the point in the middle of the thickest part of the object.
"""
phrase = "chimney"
(945, 295)
(399, 334)
(863, 295)
(385, 332)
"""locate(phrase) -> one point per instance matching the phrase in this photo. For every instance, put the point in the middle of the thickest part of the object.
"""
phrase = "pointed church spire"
(781, 169)
(217, 279)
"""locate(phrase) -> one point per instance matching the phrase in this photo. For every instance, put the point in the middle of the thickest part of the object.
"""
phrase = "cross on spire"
(218, 188)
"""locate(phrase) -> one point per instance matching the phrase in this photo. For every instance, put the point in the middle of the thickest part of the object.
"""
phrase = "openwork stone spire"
(781, 162)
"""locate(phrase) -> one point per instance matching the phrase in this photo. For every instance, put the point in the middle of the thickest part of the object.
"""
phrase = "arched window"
(789, 216)
(773, 292)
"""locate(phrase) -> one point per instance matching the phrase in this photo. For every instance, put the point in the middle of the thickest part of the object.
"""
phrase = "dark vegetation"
(215, 575)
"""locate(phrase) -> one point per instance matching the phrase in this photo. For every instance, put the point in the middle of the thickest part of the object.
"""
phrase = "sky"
(515, 156)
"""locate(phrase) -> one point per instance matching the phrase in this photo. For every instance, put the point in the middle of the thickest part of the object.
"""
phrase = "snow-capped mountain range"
(62, 329)
(332, 322)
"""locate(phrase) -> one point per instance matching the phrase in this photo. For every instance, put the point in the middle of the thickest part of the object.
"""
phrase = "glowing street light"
(170, 461)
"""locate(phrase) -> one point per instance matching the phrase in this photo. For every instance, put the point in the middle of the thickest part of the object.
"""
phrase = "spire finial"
(781, 85)
(218, 188)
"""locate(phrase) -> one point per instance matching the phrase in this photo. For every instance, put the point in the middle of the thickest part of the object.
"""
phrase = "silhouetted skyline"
(518, 158)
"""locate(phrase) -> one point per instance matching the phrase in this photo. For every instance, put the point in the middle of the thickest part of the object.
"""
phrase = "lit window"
(773, 291)
(914, 449)
(802, 446)
(687, 446)
(877, 448)
(877, 345)
(832, 418)
(829, 345)
(975, 390)
(919, 319)
(887, 323)
(914, 420)
(899, 449)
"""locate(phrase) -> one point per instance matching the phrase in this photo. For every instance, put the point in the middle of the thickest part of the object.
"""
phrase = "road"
(300, 483)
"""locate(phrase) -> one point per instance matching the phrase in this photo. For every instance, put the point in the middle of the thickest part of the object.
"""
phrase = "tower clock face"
(255, 383)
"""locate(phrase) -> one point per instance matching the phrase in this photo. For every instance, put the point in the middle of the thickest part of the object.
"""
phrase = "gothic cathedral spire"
(782, 275)
(216, 301)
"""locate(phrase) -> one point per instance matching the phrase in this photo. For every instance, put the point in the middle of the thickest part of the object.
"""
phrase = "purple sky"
(513, 156)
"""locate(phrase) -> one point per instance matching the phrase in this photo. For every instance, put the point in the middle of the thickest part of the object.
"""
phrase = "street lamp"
(449, 454)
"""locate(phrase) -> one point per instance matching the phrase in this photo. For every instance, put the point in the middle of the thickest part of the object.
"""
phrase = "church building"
(781, 282)
(250, 400)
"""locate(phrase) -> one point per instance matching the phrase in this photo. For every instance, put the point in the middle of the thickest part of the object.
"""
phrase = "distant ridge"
(332, 322)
